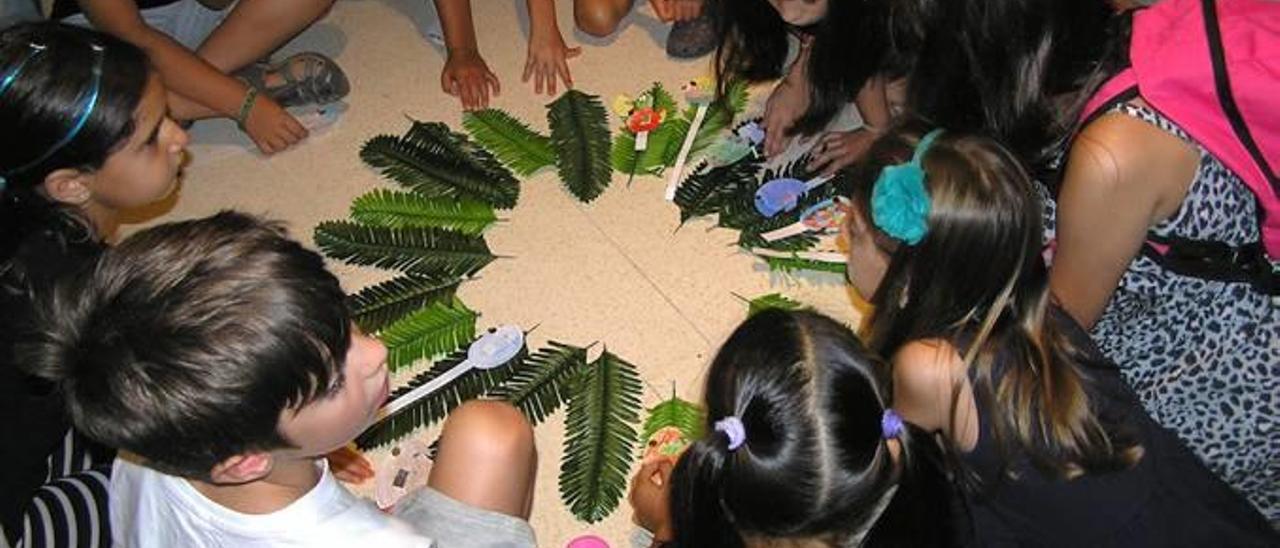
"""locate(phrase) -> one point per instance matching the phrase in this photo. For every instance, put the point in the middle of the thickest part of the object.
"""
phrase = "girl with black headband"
(86, 138)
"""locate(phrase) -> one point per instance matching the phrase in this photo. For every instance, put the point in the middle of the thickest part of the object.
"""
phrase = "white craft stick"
(435, 384)
(673, 180)
(788, 231)
(817, 182)
(642, 141)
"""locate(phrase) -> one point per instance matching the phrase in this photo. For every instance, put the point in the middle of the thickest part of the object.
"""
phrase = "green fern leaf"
(420, 165)
(580, 137)
(663, 100)
(622, 155)
(706, 191)
(419, 250)
(541, 384)
(435, 407)
(720, 115)
(600, 437)
(683, 415)
(378, 306)
(789, 265)
(392, 209)
(520, 148)
(772, 301)
(441, 140)
(437, 329)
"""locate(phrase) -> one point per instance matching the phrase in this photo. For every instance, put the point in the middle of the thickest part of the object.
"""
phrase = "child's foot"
(693, 38)
(306, 78)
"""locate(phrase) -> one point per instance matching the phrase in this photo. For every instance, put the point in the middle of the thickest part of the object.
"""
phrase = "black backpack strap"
(1216, 261)
(1222, 82)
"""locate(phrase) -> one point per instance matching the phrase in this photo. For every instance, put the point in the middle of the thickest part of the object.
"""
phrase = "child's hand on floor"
(787, 103)
(467, 77)
(547, 60)
(676, 10)
(837, 149)
(650, 497)
(347, 464)
(271, 127)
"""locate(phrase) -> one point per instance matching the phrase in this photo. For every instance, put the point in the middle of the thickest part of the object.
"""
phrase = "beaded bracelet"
(250, 97)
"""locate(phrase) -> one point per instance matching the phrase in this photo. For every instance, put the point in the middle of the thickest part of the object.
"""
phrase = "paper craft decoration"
(783, 194)
(406, 471)
(671, 426)
(822, 217)
(493, 349)
(698, 93)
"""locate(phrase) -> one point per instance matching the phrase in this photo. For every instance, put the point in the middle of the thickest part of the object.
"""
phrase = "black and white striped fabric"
(70, 510)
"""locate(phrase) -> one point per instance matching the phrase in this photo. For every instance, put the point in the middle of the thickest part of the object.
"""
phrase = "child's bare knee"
(489, 430)
(598, 19)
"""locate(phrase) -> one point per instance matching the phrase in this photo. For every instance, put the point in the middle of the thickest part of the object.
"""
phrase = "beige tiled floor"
(615, 271)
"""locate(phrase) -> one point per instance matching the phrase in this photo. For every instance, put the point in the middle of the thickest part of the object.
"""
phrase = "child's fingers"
(528, 70)
(494, 83)
(551, 79)
(563, 69)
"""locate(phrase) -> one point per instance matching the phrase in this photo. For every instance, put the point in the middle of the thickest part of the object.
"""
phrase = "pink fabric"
(1173, 69)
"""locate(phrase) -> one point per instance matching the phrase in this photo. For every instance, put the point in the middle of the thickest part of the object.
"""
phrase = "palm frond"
(380, 305)
(788, 265)
(720, 115)
(441, 140)
(663, 100)
(739, 211)
(772, 301)
(432, 331)
(512, 141)
(436, 406)
(664, 146)
(541, 384)
(706, 190)
(422, 166)
(580, 137)
(419, 250)
(391, 209)
(683, 415)
(600, 440)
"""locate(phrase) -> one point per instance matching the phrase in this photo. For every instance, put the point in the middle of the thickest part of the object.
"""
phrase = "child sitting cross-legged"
(219, 357)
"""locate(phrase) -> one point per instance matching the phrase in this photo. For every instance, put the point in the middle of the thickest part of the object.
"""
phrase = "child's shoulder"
(926, 375)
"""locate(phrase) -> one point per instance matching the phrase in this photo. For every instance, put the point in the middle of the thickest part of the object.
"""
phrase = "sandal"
(693, 38)
(309, 79)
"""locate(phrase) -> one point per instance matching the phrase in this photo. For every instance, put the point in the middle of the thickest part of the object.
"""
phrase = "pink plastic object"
(587, 541)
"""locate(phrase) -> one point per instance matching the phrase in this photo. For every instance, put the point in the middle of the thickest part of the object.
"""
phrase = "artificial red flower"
(645, 119)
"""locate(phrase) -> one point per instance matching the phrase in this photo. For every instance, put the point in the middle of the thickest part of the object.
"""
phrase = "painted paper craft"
(405, 472)
(784, 193)
(822, 217)
(495, 348)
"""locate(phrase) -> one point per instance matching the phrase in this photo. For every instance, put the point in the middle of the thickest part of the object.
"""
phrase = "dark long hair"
(814, 463)
(849, 47)
(978, 280)
(1014, 70)
(40, 108)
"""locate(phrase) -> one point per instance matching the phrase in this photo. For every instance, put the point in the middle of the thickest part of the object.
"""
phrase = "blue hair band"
(34, 49)
(86, 110)
(891, 424)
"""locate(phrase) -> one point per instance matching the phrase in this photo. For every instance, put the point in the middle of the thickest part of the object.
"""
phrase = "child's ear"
(243, 468)
(68, 186)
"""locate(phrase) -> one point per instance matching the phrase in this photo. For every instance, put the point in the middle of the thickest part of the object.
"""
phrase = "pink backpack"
(1213, 67)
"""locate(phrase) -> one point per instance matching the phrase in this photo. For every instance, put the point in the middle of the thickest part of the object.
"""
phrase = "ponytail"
(699, 516)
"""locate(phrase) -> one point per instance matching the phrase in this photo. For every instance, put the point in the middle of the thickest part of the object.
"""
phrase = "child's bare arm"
(208, 90)
(465, 73)
(548, 55)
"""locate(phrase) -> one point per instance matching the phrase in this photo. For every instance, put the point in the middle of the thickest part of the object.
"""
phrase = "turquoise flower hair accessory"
(899, 201)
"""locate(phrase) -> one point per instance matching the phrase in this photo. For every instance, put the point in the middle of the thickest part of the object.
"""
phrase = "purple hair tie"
(891, 424)
(732, 428)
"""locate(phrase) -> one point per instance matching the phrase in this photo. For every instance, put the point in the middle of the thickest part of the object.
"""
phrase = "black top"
(33, 421)
(1169, 498)
(67, 8)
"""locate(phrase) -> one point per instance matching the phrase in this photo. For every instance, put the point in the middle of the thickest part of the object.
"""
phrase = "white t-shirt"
(151, 509)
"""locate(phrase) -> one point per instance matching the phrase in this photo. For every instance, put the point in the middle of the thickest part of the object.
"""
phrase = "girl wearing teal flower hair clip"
(1050, 446)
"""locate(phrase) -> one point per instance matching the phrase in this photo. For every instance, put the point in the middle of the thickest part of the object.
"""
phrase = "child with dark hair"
(220, 357)
(86, 138)
(1048, 445)
(1156, 239)
(829, 53)
(804, 447)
